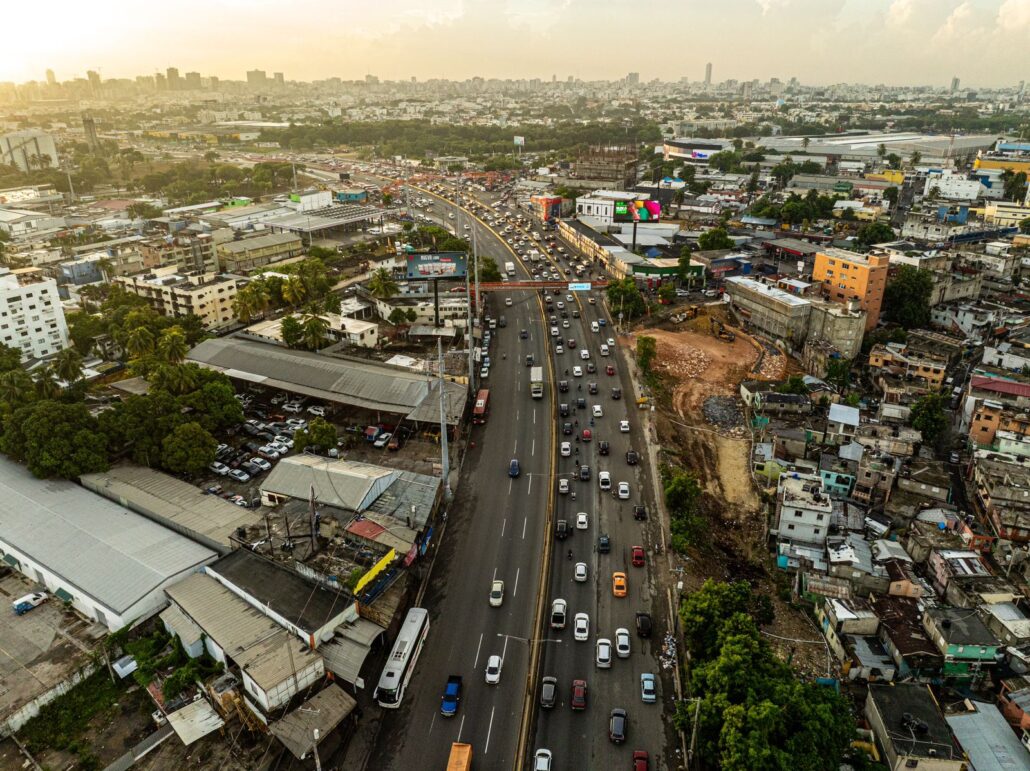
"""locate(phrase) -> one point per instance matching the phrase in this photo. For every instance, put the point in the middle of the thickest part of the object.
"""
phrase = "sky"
(896, 42)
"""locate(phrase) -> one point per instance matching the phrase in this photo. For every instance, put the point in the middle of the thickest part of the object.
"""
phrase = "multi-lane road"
(502, 528)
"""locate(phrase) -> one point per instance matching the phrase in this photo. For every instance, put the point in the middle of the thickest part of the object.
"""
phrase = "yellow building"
(846, 275)
(894, 176)
(1015, 165)
(1005, 214)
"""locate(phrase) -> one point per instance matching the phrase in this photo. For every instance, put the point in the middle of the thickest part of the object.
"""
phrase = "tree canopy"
(906, 299)
(875, 233)
(624, 297)
(716, 238)
(929, 417)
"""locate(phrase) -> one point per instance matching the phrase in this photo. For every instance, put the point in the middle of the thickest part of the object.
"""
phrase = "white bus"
(401, 662)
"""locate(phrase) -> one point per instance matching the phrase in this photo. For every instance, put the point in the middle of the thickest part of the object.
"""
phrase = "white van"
(604, 350)
(594, 327)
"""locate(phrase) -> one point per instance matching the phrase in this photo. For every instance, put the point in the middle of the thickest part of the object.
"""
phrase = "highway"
(495, 530)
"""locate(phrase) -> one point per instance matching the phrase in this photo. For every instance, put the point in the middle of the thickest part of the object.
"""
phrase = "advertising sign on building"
(520, 141)
(636, 211)
(437, 265)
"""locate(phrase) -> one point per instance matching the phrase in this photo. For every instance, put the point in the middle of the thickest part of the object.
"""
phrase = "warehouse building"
(249, 253)
(110, 564)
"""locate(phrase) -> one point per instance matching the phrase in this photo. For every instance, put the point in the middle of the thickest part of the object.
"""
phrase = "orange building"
(846, 275)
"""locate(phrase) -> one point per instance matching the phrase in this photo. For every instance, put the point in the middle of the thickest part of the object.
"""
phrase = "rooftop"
(773, 293)
(987, 738)
(258, 242)
(322, 712)
(915, 725)
(961, 626)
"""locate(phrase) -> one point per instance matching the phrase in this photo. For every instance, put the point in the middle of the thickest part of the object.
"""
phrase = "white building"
(803, 510)
(24, 225)
(364, 334)
(31, 316)
(28, 150)
(601, 204)
(953, 187)
(207, 295)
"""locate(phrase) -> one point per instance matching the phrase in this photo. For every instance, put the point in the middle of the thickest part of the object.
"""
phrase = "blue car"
(513, 468)
(602, 323)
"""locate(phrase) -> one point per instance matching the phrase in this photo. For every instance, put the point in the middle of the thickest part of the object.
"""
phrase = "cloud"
(901, 12)
(958, 24)
(1014, 15)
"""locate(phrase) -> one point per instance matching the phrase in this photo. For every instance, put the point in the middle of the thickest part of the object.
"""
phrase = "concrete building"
(842, 326)
(910, 728)
(363, 334)
(28, 150)
(966, 643)
(953, 186)
(777, 313)
(207, 295)
(803, 510)
(846, 275)
(609, 206)
(110, 564)
(31, 316)
(26, 225)
(1005, 214)
(1003, 496)
(614, 165)
(249, 253)
(188, 253)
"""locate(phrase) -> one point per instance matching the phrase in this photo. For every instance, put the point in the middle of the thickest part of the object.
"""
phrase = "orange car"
(619, 586)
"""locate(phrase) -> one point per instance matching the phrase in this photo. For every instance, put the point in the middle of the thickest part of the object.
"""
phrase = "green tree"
(488, 270)
(624, 297)
(381, 284)
(838, 373)
(293, 290)
(320, 433)
(1014, 185)
(47, 386)
(143, 210)
(716, 238)
(683, 264)
(666, 292)
(10, 358)
(891, 196)
(315, 329)
(795, 384)
(292, 331)
(915, 158)
(929, 417)
(875, 233)
(139, 343)
(68, 365)
(137, 424)
(171, 346)
(397, 316)
(189, 449)
(647, 350)
(1024, 226)
(906, 300)
(213, 404)
(55, 440)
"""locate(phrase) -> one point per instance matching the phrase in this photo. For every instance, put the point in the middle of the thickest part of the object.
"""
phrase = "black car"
(564, 314)
(604, 543)
(549, 692)
(566, 429)
(639, 512)
(616, 393)
(618, 724)
(563, 386)
(643, 625)
(561, 529)
(632, 458)
(563, 410)
(603, 448)
(523, 334)
(584, 473)
(581, 402)
(592, 388)
(591, 369)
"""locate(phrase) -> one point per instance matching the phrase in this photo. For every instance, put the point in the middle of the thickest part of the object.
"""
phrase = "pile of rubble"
(667, 657)
(691, 364)
(774, 366)
(722, 411)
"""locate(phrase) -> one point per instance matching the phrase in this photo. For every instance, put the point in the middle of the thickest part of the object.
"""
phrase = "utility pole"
(314, 747)
(445, 466)
(311, 511)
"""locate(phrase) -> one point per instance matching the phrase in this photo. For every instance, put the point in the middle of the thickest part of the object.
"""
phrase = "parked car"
(218, 468)
(239, 476)
(318, 410)
(643, 624)
(382, 440)
(637, 556)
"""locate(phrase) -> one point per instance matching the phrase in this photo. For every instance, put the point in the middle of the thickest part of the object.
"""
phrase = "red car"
(587, 434)
(579, 694)
(638, 556)
(610, 369)
(640, 761)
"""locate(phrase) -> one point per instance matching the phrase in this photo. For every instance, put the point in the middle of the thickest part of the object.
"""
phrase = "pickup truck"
(23, 605)
(451, 696)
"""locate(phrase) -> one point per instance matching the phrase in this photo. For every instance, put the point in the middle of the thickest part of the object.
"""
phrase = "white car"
(581, 627)
(317, 409)
(563, 486)
(542, 760)
(297, 423)
(560, 305)
(292, 407)
(261, 463)
(584, 353)
(496, 594)
(558, 349)
(239, 476)
(622, 643)
(383, 440)
(554, 331)
(568, 297)
(493, 670)
(580, 572)
(565, 324)
(598, 411)
(269, 452)
(218, 468)
(577, 372)
(624, 426)
(582, 521)
(507, 301)
(611, 342)
(604, 653)
(566, 449)
(484, 373)
(623, 491)
(604, 479)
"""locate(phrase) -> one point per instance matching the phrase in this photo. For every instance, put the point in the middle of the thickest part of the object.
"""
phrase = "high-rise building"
(846, 275)
(745, 91)
(89, 126)
(708, 74)
(94, 82)
(160, 81)
(33, 316)
(256, 78)
(633, 79)
(174, 80)
(954, 84)
(193, 81)
(51, 79)
(279, 78)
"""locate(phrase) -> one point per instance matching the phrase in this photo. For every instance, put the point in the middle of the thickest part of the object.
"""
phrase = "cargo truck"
(509, 268)
(460, 758)
(536, 382)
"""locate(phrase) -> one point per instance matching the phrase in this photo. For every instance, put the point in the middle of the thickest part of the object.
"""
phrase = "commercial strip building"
(110, 564)
(209, 296)
(249, 253)
(31, 316)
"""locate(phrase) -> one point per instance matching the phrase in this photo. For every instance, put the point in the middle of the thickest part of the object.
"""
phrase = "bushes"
(682, 497)
(60, 723)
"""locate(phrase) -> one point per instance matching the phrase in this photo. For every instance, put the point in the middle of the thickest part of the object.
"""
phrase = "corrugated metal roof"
(340, 483)
(183, 627)
(195, 721)
(324, 711)
(988, 740)
(364, 384)
(105, 551)
(180, 503)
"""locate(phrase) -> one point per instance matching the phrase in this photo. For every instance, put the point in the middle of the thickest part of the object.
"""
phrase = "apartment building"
(1003, 495)
(846, 275)
(249, 253)
(992, 420)
(207, 295)
(803, 509)
(31, 316)
(186, 253)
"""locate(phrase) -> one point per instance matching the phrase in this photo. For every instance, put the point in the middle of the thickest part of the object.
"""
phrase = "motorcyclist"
(570, 553)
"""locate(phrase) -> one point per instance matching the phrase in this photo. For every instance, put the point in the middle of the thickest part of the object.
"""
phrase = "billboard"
(700, 155)
(430, 265)
(520, 141)
(639, 211)
(374, 571)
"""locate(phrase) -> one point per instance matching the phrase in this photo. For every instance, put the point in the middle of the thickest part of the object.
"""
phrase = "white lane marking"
(432, 723)
(461, 727)
(504, 523)
(495, 575)
(489, 728)
(510, 482)
(529, 490)
(504, 650)
(532, 448)
(524, 521)
(516, 450)
(476, 662)
(534, 417)
(514, 591)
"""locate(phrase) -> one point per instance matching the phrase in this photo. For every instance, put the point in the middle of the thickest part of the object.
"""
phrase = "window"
(790, 527)
(816, 530)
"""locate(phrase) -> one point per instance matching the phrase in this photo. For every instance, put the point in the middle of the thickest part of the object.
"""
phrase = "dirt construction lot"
(701, 427)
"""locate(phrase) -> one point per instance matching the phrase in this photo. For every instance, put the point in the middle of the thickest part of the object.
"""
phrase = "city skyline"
(983, 42)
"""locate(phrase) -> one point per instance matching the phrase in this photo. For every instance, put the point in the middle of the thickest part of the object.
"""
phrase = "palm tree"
(243, 305)
(176, 379)
(172, 346)
(140, 343)
(881, 151)
(382, 285)
(68, 365)
(16, 387)
(916, 157)
(46, 383)
(293, 290)
(804, 142)
(315, 328)
(252, 300)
